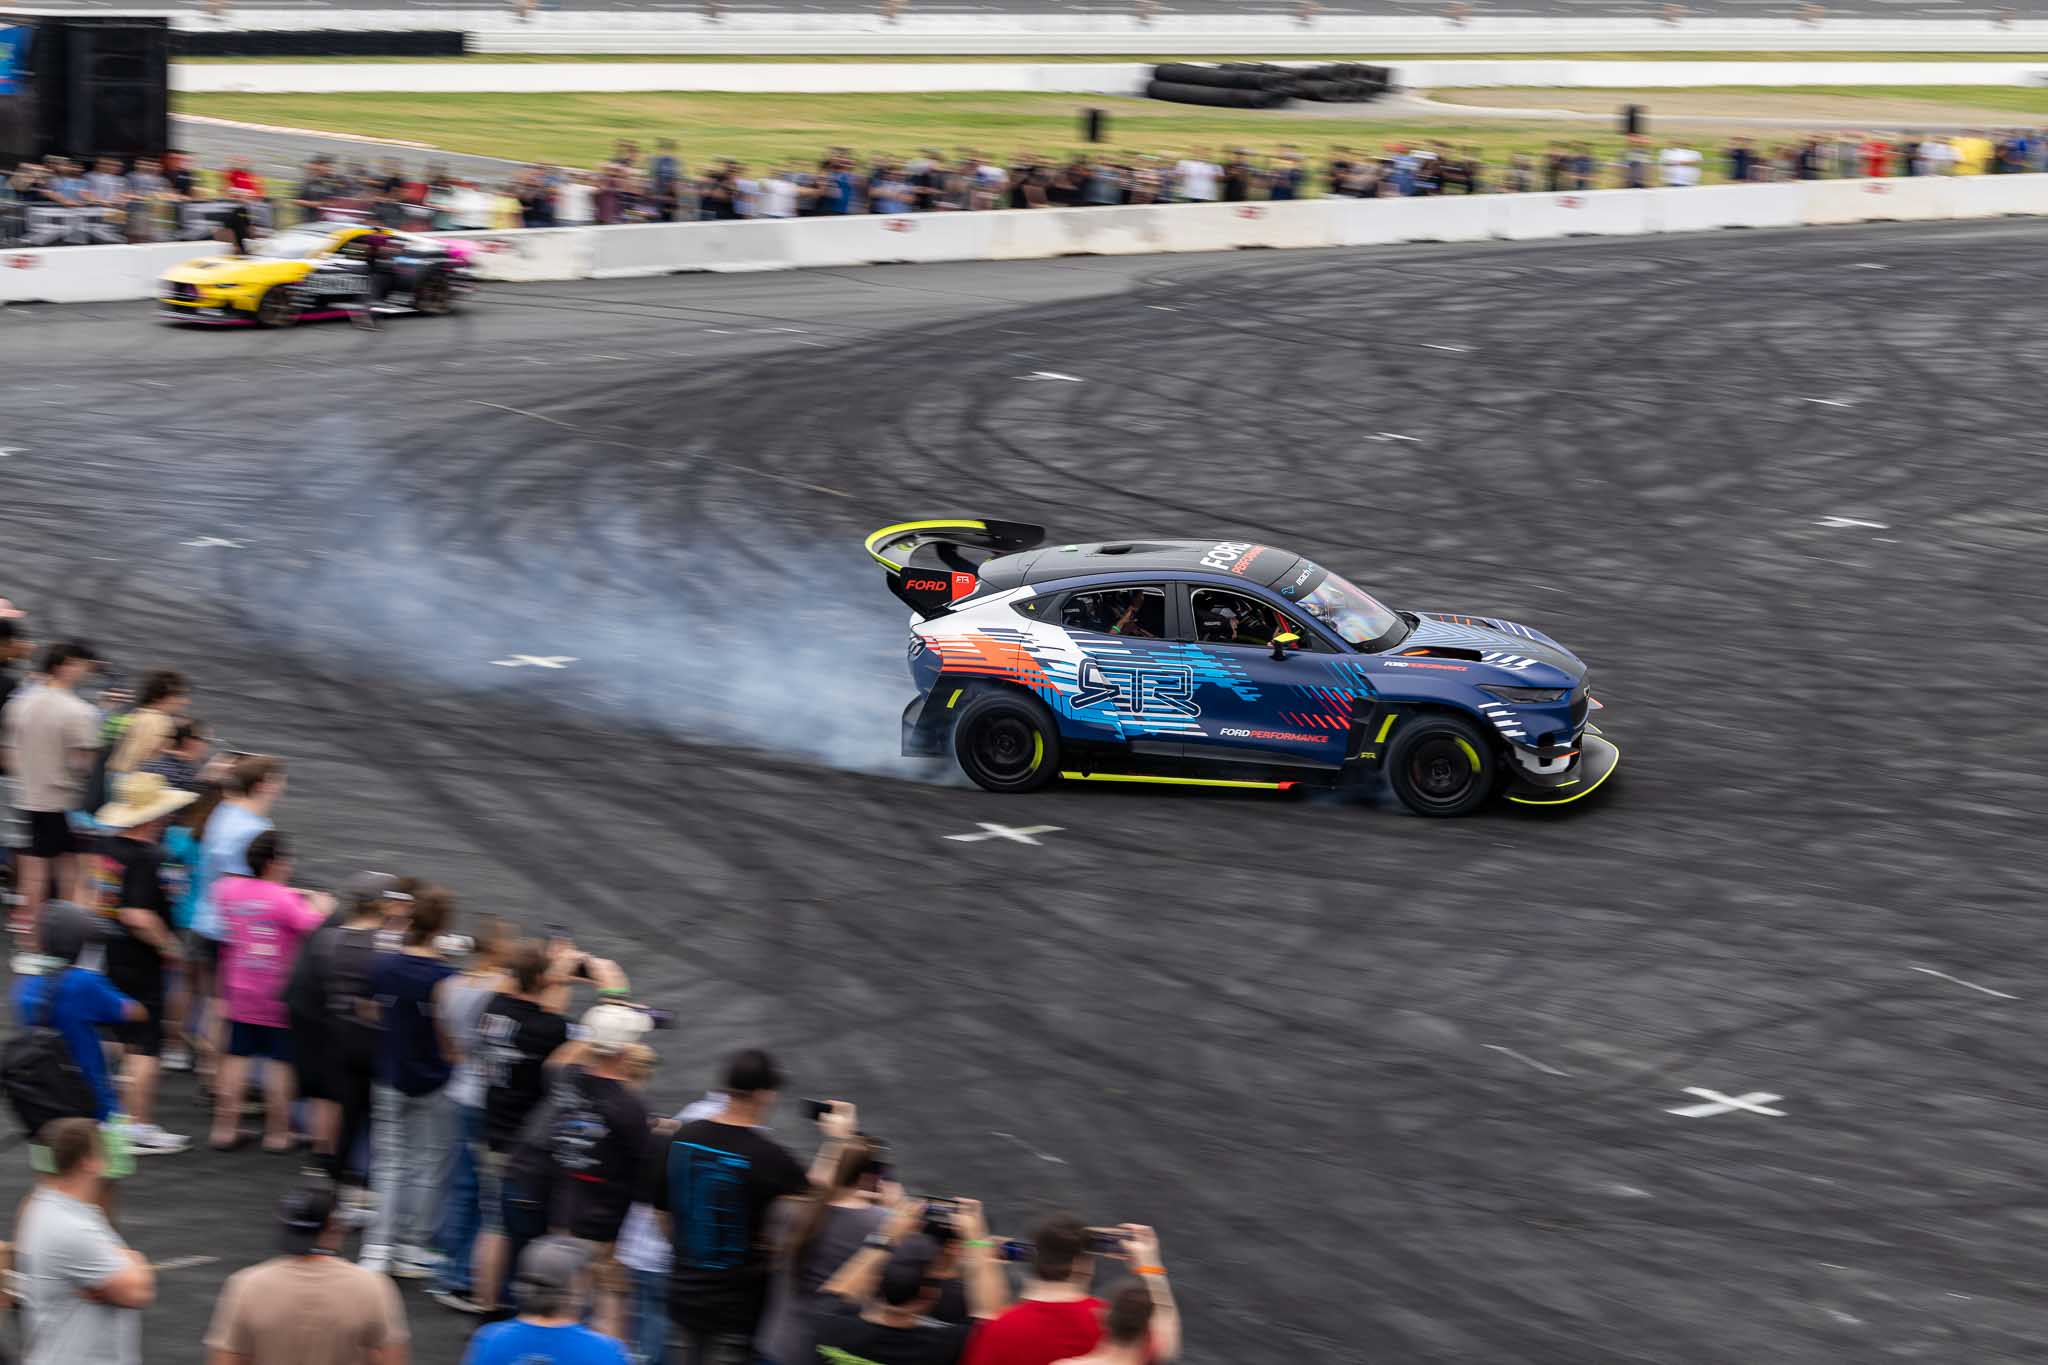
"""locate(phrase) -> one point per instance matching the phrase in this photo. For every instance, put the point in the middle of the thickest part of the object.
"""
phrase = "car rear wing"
(932, 564)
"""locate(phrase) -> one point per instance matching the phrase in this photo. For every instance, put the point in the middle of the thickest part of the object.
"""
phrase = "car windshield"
(292, 246)
(1353, 614)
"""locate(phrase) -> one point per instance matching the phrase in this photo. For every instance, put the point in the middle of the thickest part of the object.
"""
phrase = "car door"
(1290, 711)
(1130, 683)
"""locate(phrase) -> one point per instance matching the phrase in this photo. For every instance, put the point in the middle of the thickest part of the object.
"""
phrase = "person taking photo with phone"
(879, 1307)
(1142, 1326)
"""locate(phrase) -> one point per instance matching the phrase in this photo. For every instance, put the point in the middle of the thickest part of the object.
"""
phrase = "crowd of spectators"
(474, 1107)
(151, 201)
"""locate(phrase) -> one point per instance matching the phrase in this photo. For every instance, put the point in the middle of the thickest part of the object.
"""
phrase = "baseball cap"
(302, 1216)
(613, 1028)
(365, 887)
(63, 929)
(550, 1265)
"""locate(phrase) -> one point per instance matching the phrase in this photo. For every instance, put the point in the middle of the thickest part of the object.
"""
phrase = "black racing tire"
(277, 307)
(433, 296)
(1007, 741)
(1442, 765)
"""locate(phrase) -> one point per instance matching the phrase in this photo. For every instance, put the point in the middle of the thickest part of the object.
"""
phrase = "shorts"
(114, 1150)
(49, 834)
(201, 951)
(143, 1037)
(312, 1060)
(490, 1189)
(259, 1040)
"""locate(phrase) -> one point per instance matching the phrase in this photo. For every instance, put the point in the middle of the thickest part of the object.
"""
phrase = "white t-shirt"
(574, 202)
(746, 198)
(1197, 179)
(1681, 166)
(778, 198)
(67, 1249)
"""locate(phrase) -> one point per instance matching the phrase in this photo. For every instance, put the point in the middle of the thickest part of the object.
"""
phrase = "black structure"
(81, 86)
(1262, 85)
(321, 42)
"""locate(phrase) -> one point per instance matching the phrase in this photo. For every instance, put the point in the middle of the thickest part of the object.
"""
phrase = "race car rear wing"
(932, 564)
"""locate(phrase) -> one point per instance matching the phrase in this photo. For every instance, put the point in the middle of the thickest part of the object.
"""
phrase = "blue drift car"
(1222, 664)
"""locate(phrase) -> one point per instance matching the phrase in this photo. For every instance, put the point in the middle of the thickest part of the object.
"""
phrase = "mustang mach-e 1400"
(1225, 664)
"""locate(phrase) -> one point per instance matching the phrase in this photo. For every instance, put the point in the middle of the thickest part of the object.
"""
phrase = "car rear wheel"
(433, 296)
(1007, 742)
(277, 307)
(1442, 765)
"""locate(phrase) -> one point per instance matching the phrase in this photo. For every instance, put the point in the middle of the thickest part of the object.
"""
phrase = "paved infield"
(1392, 1089)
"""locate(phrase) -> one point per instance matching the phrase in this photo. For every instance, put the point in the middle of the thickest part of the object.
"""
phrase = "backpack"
(41, 1077)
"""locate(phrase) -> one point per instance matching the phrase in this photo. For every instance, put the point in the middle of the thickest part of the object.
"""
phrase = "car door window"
(354, 249)
(1137, 611)
(1231, 618)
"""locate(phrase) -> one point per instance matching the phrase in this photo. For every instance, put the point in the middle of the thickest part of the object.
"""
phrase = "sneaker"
(146, 1139)
(416, 1263)
(460, 1303)
(376, 1260)
(177, 1059)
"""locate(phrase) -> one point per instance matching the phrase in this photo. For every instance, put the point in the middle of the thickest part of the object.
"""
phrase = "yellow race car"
(317, 270)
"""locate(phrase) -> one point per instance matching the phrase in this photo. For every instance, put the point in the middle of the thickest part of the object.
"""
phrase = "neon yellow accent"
(1285, 637)
(1472, 754)
(1037, 750)
(1381, 737)
(950, 701)
(1175, 781)
(875, 541)
(1538, 801)
(1573, 783)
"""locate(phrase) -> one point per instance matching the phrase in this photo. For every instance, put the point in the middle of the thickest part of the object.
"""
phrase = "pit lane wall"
(95, 274)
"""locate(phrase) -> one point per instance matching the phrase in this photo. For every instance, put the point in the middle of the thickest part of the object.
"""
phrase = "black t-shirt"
(716, 1182)
(597, 1145)
(130, 875)
(841, 1328)
(514, 1038)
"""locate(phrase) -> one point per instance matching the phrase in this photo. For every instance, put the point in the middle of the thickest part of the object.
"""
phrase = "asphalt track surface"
(1392, 1089)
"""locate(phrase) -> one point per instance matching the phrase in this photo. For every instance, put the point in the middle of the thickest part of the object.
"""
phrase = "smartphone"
(658, 1018)
(1014, 1249)
(816, 1109)
(557, 932)
(1106, 1241)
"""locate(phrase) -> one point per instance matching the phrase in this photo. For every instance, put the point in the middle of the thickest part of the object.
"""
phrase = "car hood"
(236, 270)
(1505, 646)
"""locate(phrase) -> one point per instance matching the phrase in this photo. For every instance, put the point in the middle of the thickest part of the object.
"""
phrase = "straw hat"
(143, 797)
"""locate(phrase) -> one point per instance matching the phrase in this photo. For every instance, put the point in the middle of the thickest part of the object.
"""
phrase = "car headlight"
(1525, 694)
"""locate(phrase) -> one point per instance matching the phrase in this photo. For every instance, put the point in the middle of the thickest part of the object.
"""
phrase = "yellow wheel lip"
(1587, 742)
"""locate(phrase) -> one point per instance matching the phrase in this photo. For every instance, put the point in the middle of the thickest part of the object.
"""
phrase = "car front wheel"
(1442, 765)
(277, 307)
(1007, 742)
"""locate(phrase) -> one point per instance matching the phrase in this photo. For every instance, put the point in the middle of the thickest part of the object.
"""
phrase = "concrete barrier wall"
(753, 32)
(90, 274)
(822, 78)
(1081, 78)
(93, 274)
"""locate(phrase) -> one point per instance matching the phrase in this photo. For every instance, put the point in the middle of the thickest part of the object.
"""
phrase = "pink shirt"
(265, 923)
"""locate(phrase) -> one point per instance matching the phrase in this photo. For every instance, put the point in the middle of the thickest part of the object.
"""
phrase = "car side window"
(1231, 618)
(354, 249)
(1139, 612)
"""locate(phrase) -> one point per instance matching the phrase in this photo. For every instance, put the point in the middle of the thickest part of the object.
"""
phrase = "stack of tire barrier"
(1261, 85)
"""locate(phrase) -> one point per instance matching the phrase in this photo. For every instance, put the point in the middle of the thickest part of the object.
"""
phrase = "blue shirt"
(84, 1002)
(409, 1058)
(225, 853)
(525, 1343)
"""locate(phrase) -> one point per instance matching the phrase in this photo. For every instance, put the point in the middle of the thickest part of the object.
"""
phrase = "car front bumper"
(1597, 760)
